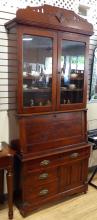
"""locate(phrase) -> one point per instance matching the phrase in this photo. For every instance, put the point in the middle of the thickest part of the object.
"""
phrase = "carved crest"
(53, 17)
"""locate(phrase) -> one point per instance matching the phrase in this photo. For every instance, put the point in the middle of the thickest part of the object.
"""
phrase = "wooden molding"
(52, 17)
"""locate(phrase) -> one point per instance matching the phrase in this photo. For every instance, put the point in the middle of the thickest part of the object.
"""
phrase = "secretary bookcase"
(52, 149)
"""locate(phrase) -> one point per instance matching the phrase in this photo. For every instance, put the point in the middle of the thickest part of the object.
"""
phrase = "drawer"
(76, 154)
(41, 193)
(34, 179)
(56, 160)
(43, 163)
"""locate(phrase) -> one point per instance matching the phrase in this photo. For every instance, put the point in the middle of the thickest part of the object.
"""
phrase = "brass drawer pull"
(44, 162)
(43, 176)
(43, 192)
(74, 155)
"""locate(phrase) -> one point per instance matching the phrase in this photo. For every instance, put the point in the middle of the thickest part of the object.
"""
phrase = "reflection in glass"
(72, 72)
(93, 88)
(37, 71)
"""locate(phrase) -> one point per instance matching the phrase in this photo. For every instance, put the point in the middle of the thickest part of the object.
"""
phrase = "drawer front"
(44, 163)
(76, 154)
(34, 179)
(56, 160)
(41, 193)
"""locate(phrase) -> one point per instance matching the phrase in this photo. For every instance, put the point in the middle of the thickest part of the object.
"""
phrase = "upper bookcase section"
(53, 18)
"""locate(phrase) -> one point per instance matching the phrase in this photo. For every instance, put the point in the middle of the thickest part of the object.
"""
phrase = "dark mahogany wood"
(50, 178)
(6, 163)
(57, 130)
(52, 149)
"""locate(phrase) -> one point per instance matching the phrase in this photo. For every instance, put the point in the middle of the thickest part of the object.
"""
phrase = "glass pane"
(37, 71)
(72, 72)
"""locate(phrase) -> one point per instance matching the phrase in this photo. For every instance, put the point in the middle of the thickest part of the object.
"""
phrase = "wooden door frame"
(72, 37)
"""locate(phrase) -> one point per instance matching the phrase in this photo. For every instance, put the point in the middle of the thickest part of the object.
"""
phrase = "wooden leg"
(10, 192)
(1, 186)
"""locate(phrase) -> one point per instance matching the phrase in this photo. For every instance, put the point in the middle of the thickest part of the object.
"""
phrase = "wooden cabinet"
(52, 149)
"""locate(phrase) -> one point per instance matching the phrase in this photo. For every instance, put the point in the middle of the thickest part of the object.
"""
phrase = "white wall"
(92, 115)
(8, 126)
(4, 130)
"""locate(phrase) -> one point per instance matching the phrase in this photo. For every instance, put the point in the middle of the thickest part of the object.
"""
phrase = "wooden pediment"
(54, 17)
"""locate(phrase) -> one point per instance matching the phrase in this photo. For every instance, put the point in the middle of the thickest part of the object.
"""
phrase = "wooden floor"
(82, 207)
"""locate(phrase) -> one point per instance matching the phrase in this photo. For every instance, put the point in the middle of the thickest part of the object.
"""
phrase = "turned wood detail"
(6, 163)
(9, 176)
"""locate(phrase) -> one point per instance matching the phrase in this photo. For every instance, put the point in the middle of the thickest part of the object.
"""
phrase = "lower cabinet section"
(49, 179)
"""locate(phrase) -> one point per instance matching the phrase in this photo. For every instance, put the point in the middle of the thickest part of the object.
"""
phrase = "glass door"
(71, 73)
(38, 71)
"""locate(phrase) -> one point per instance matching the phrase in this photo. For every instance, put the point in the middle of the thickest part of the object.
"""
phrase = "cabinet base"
(46, 180)
(26, 208)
